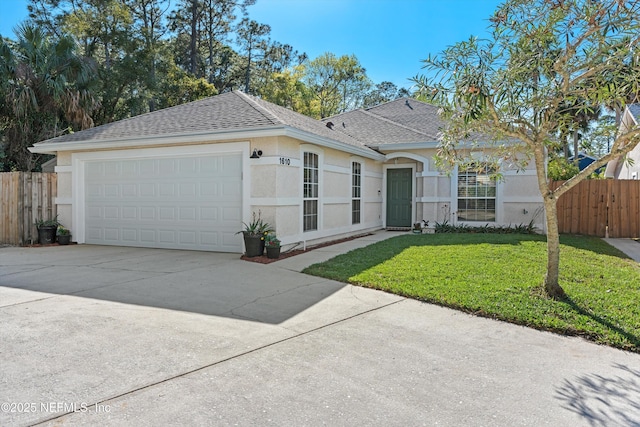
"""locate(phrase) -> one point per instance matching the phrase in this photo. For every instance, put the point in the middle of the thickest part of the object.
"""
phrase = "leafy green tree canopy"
(340, 83)
(44, 92)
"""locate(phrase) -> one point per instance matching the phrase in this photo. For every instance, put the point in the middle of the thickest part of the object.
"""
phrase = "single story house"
(620, 168)
(188, 176)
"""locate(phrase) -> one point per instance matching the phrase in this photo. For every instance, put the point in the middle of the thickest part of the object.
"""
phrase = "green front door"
(399, 197)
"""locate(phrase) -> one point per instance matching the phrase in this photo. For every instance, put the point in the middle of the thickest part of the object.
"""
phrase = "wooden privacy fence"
(25, 197)
(597, 207)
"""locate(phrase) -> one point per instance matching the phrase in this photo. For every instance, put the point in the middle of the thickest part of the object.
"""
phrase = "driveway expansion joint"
(219, 362)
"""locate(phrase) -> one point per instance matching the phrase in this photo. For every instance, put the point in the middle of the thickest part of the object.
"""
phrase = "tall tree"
(542, 57)
(384, 92)
(149, 27)
(208, 24)
(48, 15)
(254, 43)
(288, 90)
(104, 29)
(340, 83)
(597, 141)
(44, 92)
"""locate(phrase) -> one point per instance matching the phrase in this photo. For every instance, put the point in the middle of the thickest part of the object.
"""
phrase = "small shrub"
(445, 227)
(560, 169)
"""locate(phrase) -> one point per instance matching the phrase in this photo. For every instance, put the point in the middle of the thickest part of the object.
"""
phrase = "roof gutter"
(152, 140)
(470, 145)
(330, 143)
(404, 146)
(202, 137)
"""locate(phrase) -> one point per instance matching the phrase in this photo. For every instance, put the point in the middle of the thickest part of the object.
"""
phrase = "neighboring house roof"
(584, 160)
(634, 109)
(228, 112)
(404, 120)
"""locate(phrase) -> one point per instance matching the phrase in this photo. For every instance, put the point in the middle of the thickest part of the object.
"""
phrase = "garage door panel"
(167, 213)
(187, 190)
(230, 188)
(147, 167)
(147, 236)
(111, 213)
(166, 166)
(111, 169)
(94, 191)
(112, 234)
(110, 190)
(130, 234)
(183, 203)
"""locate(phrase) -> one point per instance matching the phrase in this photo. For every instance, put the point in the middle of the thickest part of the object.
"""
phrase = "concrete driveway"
(123, 336)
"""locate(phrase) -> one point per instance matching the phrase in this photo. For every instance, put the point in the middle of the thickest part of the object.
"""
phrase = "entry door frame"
(413, 168)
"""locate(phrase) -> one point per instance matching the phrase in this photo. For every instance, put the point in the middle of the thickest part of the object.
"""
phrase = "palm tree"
(44, 92)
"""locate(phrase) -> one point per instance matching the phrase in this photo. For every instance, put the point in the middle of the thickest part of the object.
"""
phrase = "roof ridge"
(274, 118)
(391, 101)
(379, 117)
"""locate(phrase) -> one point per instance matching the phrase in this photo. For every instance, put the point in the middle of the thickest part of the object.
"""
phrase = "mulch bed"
(40, 245)
(284, 255)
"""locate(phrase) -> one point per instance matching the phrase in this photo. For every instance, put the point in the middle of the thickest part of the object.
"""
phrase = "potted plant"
(417, 228)
(273, 246)
(47, 230)
(63, 235)
(254, 233)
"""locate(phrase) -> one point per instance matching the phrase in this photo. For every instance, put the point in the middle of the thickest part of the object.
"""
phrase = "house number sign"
(285, 161)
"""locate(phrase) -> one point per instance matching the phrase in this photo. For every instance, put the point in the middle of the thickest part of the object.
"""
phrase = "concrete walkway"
(96, 335)
(629, 246)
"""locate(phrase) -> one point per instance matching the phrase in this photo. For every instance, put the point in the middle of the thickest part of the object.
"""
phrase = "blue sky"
(389, 37)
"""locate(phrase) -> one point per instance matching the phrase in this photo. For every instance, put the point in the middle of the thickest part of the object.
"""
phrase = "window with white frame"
(310, 192)
(476, 196)
(356, 191)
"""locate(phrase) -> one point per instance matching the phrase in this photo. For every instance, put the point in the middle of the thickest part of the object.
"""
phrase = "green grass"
(500, 276)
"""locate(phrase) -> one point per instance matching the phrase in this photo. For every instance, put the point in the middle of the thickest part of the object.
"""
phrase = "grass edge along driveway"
(500, 276)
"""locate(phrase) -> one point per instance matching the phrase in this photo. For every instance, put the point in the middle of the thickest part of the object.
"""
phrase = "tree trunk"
(193, 52)
(551, 285)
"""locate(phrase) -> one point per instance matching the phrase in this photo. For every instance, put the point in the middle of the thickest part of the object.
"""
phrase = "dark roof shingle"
(403, 120)
(226, 112)
(634, 109)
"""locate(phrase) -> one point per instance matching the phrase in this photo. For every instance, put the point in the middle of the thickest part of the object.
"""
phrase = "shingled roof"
(634, 109)
(232, 111)
(403, 120)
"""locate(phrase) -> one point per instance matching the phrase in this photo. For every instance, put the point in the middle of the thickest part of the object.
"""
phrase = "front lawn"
(500, 276)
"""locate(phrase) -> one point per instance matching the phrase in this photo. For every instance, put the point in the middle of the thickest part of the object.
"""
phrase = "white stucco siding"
(335, 215)
(437, 198)
(287, 220)
(64, 192)
(336, 186)
(263, 181)
(276, 190)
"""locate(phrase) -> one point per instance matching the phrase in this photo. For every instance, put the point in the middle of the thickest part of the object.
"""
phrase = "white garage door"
(178, 203)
